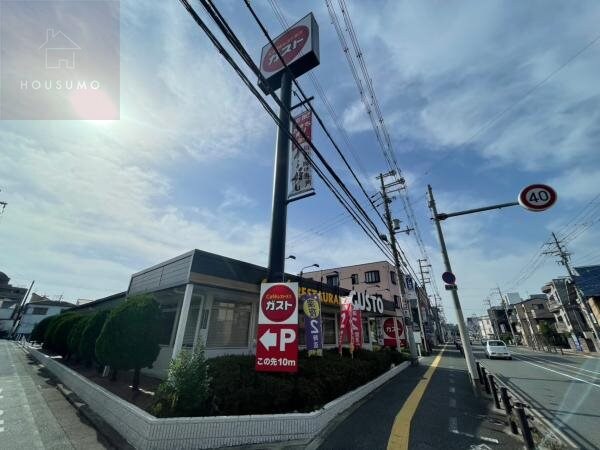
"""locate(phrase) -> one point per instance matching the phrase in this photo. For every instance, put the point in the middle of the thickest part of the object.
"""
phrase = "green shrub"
(87, 344)
(75, 335)
(39, 331)
(185, 391)
(129, 337)
(57, 334)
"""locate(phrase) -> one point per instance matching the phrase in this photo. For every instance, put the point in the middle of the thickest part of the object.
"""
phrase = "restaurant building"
(211, 300)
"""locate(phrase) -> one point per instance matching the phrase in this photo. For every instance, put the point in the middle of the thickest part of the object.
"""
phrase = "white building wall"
(29, 320)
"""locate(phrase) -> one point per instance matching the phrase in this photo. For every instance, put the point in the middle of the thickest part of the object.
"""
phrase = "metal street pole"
(470, 359)
(409, 331)
(507, 318)
(280, 184)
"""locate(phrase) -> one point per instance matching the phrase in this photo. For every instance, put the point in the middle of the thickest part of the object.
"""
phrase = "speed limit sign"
(537, 197)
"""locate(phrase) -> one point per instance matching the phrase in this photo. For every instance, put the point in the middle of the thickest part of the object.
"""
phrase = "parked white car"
(496, 349)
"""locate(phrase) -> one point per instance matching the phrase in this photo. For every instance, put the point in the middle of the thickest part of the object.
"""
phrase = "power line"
(373, 235)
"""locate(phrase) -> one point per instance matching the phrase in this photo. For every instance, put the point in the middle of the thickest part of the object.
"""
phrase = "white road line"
(452, 403)
(570, 366)
(453, 425)
(452, 389)
(560, 373)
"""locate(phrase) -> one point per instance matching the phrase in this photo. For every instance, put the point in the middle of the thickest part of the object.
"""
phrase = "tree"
(129, 338)
(75, 336)
(60, 336)
(87, 344)
(51, 339)
(39, 330)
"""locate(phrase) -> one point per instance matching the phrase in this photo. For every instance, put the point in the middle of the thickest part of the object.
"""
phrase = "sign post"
(277, 335)
(291, 54)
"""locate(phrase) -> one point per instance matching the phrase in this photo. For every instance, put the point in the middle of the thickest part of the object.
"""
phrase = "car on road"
(496, 349)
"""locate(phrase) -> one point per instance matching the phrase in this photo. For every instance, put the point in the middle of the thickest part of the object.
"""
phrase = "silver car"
(496, 349)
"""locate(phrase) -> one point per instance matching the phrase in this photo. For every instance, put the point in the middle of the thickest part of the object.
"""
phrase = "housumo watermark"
(60, 59)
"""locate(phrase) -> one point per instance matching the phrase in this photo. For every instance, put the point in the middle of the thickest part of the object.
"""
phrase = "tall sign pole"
(280, 184)
(464, 336)
(388, 218)
(288, 56)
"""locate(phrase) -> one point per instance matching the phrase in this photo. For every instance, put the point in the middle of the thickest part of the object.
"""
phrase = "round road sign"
(537, 197)
(448, 278)
(278, 303)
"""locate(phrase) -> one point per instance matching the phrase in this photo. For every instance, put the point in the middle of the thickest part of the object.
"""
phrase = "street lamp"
(308, 267)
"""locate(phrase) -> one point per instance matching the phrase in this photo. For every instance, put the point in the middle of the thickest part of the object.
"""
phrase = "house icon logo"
(60, 50)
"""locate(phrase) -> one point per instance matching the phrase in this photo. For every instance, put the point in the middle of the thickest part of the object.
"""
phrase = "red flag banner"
(345, 321)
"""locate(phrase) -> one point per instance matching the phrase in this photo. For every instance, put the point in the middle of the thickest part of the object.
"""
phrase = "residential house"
(10, 297)
(35, 311)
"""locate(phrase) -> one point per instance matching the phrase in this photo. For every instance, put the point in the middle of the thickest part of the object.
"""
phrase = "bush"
(185, 391)
(39, 330)
(75, 335)
(129, 337)
(56, 337)
(236, 388)
(87, 344)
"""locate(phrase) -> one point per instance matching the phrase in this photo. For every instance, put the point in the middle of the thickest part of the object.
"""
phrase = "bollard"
(486, 383)
(478, 369)
(524, 426)
(508, 409)
(494, 390)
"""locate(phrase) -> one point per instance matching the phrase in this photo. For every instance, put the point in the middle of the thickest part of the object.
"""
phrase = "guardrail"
(522, 419)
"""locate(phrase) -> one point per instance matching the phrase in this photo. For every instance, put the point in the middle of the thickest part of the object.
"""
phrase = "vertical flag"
(357, 330)
(313, 327)
(345, 321)
(300, 182)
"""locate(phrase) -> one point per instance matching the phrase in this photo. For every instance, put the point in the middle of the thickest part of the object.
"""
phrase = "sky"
(480, 99)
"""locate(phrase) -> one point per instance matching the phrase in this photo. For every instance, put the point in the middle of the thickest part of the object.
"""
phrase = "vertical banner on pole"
(300, 171)
(345, 321)
(313, 326)
(357, 331)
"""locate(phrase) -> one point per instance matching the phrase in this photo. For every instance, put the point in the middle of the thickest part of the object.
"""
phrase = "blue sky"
(189, 163)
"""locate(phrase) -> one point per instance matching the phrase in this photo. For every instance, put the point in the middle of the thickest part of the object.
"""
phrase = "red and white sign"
(277, 336)
(357, 330)
(345, 321)
(537, 197)
(299, 48)
(300, 169)
(389, 334)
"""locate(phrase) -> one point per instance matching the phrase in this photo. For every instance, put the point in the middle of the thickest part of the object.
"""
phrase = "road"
(565, 389)
(33, 413)
(445, 415)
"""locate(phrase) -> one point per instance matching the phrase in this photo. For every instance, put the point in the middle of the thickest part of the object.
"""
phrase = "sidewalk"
(448, 414)
(559, 351)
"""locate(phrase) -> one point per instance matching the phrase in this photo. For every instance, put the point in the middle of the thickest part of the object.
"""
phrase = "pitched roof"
(51, 303)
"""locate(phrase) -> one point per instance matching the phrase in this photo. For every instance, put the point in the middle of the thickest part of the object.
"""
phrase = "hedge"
(237, 389)
(39, 330)
(87, 344)
(57, 335)
(75, 334)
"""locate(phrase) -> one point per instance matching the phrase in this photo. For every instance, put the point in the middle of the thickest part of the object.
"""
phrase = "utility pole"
(421, 266)
(506, 312)
(388, 218)
(587, 312)
(495, 326)
(470, 359)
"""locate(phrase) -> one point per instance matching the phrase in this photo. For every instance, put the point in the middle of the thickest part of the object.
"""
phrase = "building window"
(167, 319)
(397, 301)
(393, 277)
(39, 311)
(329, 335)
(229, 324)
(354, 278)
(333, 280)
(372, 276)
(365, 330)
(540, 306)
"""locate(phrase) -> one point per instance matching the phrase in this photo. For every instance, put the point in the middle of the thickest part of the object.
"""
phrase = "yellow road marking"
(400, 435)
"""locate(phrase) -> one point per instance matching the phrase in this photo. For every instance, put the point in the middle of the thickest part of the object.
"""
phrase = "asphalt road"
(448, 416)
(33, 413)
(565, 389)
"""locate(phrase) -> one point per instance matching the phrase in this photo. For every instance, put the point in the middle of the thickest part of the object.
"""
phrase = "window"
(393, 277)
(333, 280)
(167, 319)
(397, 301)
(354, 278)
(540, 306)
(329, 337)
(229, 324)
(372, 276)
(365, 330)
(39, 311)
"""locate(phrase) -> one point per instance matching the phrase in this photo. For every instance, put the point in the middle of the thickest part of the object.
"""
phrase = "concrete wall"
(145, 431)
